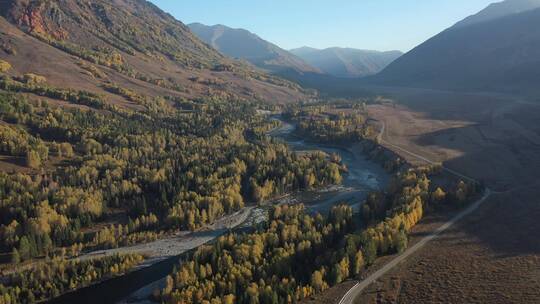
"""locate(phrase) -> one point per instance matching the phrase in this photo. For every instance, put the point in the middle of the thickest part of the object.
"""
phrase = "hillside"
(242, 44)
(498, 55)
(347, 62)
(500, 9)
(119, 127)
(82, 45)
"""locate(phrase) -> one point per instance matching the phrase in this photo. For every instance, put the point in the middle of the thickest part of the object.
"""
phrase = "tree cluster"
(184, 168)
(56, 277)
(328, 122)
(295, 255)
(289, 258)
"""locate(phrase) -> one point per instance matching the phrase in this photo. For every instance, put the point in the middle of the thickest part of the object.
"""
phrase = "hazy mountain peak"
(500, 9)
(346, 62)
(303, 50)
(243, 44)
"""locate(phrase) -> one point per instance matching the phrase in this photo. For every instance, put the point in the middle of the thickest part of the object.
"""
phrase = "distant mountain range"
(337, 62)
(347, 62)
(497, 49)
(242, 44)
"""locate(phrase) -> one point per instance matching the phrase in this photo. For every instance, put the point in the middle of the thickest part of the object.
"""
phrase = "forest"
(331, 122)
(53, 278)
(92, 175)
(175, 165)
(295, 255)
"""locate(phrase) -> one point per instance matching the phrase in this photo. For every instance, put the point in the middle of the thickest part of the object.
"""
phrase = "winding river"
(362, 177)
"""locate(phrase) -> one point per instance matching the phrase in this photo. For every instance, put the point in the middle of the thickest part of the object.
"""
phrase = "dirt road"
(357, 289)
(381, 140)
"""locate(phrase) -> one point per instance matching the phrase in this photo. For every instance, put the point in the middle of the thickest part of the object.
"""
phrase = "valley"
(146, 160)
(363, 176)
(476, 136)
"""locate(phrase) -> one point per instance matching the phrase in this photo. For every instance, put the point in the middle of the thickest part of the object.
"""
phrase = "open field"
(492, 138)
(493, 256)
(461, 267)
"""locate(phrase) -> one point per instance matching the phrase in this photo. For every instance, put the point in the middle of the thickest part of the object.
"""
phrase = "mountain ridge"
(498, 10)
(502, 54)
(347, 62)
(131, 42)
(243, 44)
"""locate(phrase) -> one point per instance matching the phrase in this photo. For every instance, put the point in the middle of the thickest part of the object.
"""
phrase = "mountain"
(132, 43)
(242, 44)
(347, 62)
(500, 9)
(501, 54)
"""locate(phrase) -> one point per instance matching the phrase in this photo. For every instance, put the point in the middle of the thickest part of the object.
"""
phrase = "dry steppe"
(493, 256)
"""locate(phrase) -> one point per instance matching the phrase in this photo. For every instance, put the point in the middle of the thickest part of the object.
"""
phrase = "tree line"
(184, 168)
(55, 277)
(331, 122)
(294, 255)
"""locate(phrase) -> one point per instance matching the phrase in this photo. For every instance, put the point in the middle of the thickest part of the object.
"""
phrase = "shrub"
(34, 79)
(4, 66)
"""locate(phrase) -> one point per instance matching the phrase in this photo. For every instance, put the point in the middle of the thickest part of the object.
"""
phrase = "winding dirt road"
(357, 289)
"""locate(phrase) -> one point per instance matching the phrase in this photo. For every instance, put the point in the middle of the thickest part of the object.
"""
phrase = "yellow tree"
(438, 195)
(358, 262)
(32, 159)
(317, 281)
(228, 299)
(4, 66)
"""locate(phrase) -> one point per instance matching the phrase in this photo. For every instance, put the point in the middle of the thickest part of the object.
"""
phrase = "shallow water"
(363, 176)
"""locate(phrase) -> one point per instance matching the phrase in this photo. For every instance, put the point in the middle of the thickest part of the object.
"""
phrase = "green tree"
(370, 251)
(25, 249)
(47, 245)
(15, 257)
(401, 241)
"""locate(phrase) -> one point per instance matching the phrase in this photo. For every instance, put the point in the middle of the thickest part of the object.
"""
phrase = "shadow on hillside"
(504, 159)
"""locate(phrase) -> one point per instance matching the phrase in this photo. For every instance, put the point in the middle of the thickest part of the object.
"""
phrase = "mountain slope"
(129, 42)
(242, 44)
(500, 9)
(346, 62)
(502, 55)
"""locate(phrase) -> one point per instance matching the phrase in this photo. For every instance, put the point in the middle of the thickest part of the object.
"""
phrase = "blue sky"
(365, 24)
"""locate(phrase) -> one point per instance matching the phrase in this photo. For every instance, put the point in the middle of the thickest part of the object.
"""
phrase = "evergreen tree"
(15, 257)
(25, 251)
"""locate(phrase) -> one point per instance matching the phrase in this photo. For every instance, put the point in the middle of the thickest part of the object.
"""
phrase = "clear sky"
(366, 24)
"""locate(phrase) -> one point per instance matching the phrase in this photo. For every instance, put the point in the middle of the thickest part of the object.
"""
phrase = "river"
(362, 177)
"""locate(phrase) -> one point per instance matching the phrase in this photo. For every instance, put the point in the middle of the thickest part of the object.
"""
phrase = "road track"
(357, 289)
